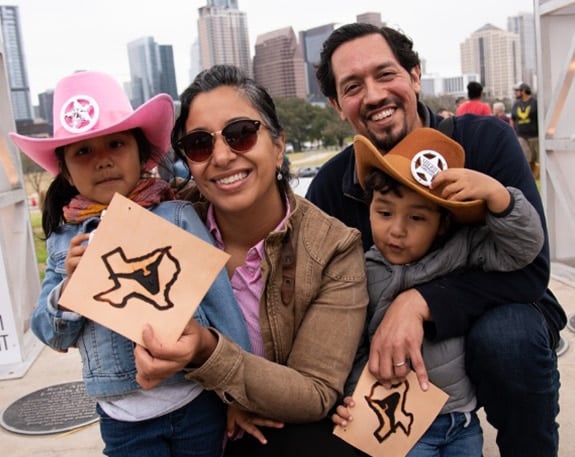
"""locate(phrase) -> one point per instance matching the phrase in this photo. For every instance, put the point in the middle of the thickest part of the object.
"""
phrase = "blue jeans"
(451, 435)
(510, 360)
(195, 430)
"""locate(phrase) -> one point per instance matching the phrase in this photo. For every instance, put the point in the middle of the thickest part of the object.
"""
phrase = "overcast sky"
(62, 36)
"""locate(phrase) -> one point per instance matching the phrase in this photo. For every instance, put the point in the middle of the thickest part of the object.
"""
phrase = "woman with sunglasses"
(297, 274)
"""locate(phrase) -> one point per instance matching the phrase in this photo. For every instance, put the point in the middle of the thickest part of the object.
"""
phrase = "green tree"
(35, 177)
(436, 102)
(296, 115)
(304, 121)
(334, 131)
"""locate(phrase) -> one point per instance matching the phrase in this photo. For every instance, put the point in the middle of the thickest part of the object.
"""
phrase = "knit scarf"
(148, 192)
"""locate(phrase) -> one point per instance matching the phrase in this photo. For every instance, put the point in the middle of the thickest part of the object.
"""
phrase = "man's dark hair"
(474, 90)
(401, 46)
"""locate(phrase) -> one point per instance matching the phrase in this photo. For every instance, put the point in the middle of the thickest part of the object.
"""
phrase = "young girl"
(102, 146)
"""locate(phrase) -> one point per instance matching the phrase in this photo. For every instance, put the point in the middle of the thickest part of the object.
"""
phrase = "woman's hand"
(158, 361)
(241, 421)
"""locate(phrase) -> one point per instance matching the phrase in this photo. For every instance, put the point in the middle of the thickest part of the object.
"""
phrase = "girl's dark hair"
(400, 44)
(259, 98)
(60, 191)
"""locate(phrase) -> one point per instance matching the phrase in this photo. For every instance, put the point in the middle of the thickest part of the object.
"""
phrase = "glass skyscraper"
(152, 70)
(16, 64)
(311, 42)
(223, 35)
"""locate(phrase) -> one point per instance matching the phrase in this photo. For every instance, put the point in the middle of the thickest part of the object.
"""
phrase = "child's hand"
(342, 416)
(75, 252)
(249, 423)
(461, 184)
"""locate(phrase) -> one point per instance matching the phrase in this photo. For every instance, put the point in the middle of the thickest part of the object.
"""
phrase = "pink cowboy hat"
(88, 104)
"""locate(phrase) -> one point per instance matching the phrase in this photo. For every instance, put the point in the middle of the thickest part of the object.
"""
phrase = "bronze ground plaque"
(52, 409)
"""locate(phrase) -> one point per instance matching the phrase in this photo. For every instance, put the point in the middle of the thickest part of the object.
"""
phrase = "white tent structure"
(555, 31)
(19, 279)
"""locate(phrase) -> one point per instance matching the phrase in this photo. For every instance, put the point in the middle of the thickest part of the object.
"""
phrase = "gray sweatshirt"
(507, 241)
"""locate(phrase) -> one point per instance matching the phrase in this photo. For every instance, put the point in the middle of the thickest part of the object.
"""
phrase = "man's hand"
(397, 341)
(160, 361)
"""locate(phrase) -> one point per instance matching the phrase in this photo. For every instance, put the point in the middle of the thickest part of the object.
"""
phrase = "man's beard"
(387, 140)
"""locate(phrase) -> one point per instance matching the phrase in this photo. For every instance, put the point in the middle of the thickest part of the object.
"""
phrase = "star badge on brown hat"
(414, 161)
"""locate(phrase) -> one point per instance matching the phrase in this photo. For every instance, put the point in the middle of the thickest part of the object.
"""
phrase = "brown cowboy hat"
(414, 161)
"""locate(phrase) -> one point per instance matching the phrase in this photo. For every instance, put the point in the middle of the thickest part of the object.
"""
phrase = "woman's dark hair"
(400, 44)
(229, 75)
(60, 191)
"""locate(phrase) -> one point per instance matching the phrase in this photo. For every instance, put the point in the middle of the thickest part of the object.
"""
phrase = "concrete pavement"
(53, 368)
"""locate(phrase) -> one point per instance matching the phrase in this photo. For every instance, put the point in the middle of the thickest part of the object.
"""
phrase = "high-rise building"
(524, 25)
(195, 63)
(232, 4)
(279, 64)
(168, 82)
(16, 65)
(495, 55)
(223, 35)
(46, 107)
(456, 86)
(311, 42)
(152, 70)
(370, 18)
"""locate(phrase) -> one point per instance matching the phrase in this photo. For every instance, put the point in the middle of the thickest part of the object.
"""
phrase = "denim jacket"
(107, 357)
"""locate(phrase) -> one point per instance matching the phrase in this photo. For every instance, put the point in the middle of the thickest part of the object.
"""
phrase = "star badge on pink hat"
(79, 114)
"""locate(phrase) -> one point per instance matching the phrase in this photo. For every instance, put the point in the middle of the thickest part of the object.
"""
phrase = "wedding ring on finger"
(400, 364)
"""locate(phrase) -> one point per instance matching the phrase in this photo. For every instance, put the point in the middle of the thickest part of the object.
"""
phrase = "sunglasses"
(240, 136)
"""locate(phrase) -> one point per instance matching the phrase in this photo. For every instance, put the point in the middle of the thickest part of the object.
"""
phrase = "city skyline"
(62, 36)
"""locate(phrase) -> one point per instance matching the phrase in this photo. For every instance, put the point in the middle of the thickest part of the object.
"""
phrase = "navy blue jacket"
(457, 299)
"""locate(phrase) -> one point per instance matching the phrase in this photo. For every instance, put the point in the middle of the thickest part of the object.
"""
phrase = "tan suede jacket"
(312, 313)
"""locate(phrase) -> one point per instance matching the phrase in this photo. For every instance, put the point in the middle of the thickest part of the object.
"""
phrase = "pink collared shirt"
(247, 282)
